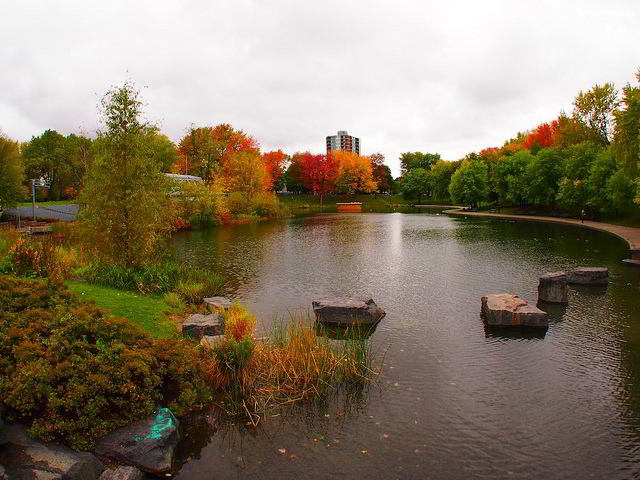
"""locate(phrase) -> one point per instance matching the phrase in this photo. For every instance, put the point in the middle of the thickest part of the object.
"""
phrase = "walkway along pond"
(455, 400)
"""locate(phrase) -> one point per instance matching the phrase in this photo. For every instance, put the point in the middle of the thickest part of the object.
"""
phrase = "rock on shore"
(504, 309)
(25, 458)
(122, 473)
(198, 325)
(148, 444)
(347, 311)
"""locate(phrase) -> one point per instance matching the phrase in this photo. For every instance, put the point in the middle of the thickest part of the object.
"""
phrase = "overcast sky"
(449, 76)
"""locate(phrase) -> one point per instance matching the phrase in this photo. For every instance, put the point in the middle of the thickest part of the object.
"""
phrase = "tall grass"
(296, 364)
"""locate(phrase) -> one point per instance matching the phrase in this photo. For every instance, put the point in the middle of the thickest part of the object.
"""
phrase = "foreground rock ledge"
(347, 311)
(504, 309)
(122, 473)
(27, 458)
(589, 276)
(198, 325)
(148, 444)
(553, 288)
(215, 304)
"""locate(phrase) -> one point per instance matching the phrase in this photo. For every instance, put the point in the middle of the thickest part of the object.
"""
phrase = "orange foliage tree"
(319, 173)
(354, 173)
(274, 163)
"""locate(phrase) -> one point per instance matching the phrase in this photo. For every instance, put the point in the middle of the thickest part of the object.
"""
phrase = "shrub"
(239, 323)
(174, 301)
(266, 205)
(190, 292)
(197, 283)
(153, 278)
(238, 203)
(77, 373)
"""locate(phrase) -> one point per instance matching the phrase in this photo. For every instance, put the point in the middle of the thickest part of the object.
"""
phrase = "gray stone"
(589, 276)
(198, 325)
(347, 311)
(211, 340)
(148, 444)
(215, 304)
(631, 262)
(553, 288)
(27, 458)
(122, 473)
(504, 309)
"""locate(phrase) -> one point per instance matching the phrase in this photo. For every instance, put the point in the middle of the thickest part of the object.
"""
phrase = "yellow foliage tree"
(355, 173)
(244, 172)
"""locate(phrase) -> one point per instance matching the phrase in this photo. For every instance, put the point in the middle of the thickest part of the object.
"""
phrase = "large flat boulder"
(589, 276)
(552, 288)
(215, 304)
(26, 458)
(148, 444)
(199, 325)
(347, 311)
(504, 309)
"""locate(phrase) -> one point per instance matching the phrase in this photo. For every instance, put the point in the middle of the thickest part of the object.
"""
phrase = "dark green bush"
(75, 373)
(153, 278)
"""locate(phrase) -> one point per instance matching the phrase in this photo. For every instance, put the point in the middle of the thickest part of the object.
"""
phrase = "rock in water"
(553, 288)
(148, 444)
(215, 304)
(504, 309)
(347, 311)
(589, 276)
(24, 457)
(122, 473)
(198, 325)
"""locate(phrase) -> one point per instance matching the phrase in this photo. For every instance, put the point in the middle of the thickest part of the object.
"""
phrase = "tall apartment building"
(343, 141)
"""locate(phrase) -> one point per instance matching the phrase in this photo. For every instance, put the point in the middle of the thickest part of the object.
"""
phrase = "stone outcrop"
(505, 309)
(122, 473)
(589, 276)
(198, 325)
(24, 457)
(148, 444)
(347, 311)
(215, 304)
(553, 288)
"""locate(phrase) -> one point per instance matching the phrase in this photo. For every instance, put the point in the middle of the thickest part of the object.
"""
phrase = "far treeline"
(585, 161)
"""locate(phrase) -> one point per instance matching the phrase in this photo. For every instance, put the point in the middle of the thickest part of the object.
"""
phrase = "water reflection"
(454, 400)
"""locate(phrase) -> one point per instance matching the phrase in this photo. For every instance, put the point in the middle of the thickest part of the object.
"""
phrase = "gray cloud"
(448, 77)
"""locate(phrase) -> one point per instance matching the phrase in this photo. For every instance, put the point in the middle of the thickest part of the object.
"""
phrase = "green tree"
(11, 174)
(125, 217)
(79, 156)
(44, 156)
(601, 170)
(470, 184)
(620, 190)
(543, 174)
(510, 177)
(416, 183)
(441, 173)
(163, 151)
(627, 130)
(596, 108)
(411, 160)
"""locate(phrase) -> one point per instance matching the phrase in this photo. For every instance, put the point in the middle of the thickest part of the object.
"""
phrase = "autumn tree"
(11, 174)
(354, 173)
(293, 176)
(596, 109)
(274, 163)
(125, 197)
(319, 173)
(381, 173)
(244, 172)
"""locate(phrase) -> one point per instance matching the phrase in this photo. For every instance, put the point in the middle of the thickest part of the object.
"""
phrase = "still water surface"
(453, 401)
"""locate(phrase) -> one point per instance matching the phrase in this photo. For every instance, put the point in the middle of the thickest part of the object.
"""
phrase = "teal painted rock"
(148, 444)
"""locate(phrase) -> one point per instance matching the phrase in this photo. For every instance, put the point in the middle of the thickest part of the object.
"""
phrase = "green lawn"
(47, 204)
(148, 312)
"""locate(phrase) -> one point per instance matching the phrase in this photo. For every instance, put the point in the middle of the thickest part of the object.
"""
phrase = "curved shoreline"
(629, 234)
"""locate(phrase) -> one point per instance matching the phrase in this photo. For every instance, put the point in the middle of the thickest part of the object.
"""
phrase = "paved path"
(66, 212)
(630, 234)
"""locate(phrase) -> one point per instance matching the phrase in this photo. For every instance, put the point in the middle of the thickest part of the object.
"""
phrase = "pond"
(453, 401)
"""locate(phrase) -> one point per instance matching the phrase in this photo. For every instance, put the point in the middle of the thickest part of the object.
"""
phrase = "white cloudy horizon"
(450, 78)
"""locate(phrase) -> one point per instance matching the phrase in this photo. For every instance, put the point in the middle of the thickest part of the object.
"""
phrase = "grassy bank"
(369, 202)
(147, 311)
(47, 204)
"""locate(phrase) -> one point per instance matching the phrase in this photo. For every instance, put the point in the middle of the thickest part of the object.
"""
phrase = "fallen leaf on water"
(293, 456)
(282, 451)
(385, 435)
(364, 452)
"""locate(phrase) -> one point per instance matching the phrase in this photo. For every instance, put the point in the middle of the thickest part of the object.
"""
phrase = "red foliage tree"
(541, 137)
(319, 173)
